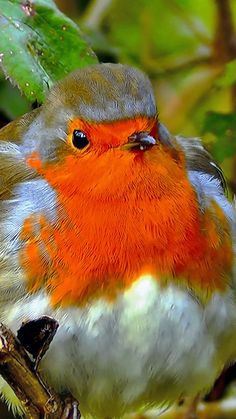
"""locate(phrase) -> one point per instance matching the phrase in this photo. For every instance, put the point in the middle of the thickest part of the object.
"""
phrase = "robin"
(122, 232)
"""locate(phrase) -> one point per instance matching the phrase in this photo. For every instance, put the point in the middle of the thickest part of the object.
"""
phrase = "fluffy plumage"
(129, 245)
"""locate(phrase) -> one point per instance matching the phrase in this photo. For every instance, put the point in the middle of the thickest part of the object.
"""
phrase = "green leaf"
(223, 127)
(229, 76)
(39, 45)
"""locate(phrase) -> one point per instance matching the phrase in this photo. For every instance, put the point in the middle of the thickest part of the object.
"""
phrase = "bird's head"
(98, 133)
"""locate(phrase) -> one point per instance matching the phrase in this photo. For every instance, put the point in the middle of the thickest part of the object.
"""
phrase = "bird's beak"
(139, 141)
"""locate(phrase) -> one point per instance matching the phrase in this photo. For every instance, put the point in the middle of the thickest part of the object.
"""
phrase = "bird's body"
(150, 348)
(127, 240)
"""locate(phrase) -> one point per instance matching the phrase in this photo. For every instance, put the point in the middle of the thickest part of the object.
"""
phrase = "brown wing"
(13, 131)
(199, 160)
(13, 169)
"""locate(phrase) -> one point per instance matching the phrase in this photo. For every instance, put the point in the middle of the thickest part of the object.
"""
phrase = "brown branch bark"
(225, 38)
(69, 7)
(38, 400)
(225, 50)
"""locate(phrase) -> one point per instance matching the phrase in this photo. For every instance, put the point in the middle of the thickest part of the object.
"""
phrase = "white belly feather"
(153, 345)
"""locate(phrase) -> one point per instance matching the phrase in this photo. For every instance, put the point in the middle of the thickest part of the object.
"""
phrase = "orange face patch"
(104, 135)
(120, 215)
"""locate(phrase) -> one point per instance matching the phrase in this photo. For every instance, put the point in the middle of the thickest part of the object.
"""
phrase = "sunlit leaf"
(39, 45)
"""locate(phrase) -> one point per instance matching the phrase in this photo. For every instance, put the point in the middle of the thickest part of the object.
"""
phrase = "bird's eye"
(79, 139)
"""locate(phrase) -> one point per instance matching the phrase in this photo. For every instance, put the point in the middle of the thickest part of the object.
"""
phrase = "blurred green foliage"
(223, 126)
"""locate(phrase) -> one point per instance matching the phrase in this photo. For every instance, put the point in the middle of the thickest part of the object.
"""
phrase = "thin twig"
(194, 25)
(155, 64)
(183, 103)
(17, 369)
(173, 64)
(95, 13)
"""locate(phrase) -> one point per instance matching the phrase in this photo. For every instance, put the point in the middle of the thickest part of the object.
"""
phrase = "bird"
(123, 233)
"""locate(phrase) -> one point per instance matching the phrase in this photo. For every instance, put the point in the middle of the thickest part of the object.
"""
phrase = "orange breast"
(148, 222)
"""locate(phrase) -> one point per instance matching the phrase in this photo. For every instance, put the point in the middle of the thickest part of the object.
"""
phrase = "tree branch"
(225, 50)
(18, 370)
(225, 38)
(194, 24)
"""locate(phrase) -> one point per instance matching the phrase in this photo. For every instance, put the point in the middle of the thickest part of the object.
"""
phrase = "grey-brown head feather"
(104, 92)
